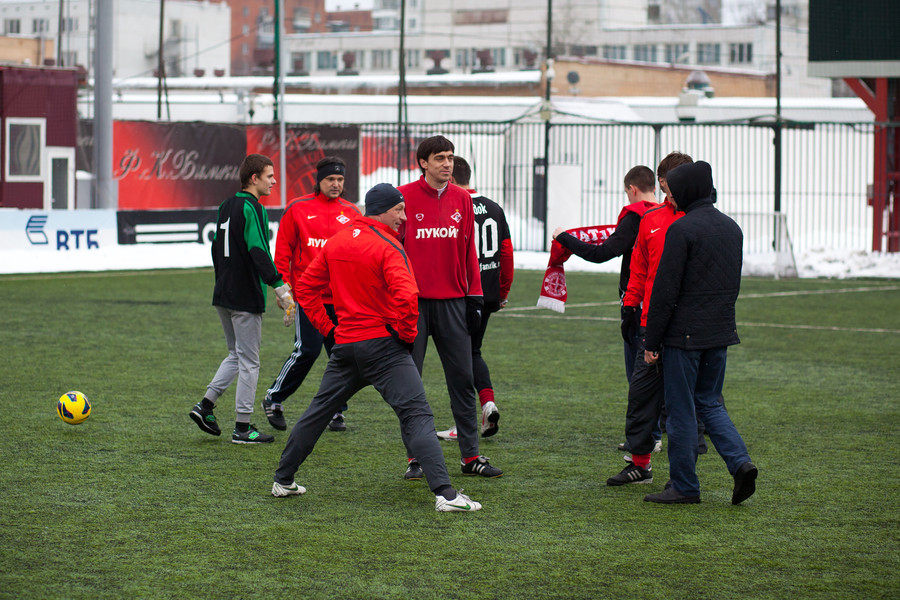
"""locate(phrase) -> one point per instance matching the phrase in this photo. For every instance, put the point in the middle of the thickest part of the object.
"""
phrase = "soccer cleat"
(489, 418)
(449, 434)
(631, 474)
(623, 447)
(280, 490)
(671, 496)
(744, 482)
(205, 419)
(275, 414)
(413, 471)
(461, 503)
(251, 436)
(657, 446)
(480, 466)
(337, 423)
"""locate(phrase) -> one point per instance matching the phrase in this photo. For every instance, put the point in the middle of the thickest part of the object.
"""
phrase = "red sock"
(486, 395)
(409, 460)
(641, 460)
(470, 459)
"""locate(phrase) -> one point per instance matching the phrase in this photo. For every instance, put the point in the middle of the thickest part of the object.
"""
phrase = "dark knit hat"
(382, 198)
(331, 168)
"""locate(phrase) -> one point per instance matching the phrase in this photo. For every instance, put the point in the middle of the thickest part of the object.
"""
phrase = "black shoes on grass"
(205, 419)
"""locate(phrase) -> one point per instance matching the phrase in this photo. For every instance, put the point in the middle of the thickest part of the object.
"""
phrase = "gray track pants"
(243, 334)
(385, 364)
(445, 322)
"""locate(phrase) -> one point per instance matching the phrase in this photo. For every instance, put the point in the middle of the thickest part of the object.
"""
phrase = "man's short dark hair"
(462, 172)
(253, 164)
(640, 177)
(328, 160)
(672, 160)
(433, 145)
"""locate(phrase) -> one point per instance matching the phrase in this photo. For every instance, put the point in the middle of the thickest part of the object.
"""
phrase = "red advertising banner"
(304, 147)
(196, 165)
(176, 165)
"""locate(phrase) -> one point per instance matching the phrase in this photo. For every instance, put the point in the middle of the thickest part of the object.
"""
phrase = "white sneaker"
(280, 491)
(489, 418)
(461, 503)
(658, 446)
(449, 434)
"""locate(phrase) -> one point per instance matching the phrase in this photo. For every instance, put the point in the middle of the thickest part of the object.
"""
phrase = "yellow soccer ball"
(73, 408)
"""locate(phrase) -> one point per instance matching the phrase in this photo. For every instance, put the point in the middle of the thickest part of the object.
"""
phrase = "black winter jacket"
(699, 275)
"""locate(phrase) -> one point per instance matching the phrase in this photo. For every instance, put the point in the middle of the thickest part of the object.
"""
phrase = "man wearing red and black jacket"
(375, 298)
(639, 187)
(305, 226)
(495, 257)
(439, 238)
(645, 390)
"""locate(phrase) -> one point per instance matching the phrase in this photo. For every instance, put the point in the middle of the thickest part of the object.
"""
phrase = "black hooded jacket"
(699, 275)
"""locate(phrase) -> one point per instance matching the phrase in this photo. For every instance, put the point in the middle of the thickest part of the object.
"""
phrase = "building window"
(69, 59)
(24, 148)
(70, 24)
(326, 60)
(653, 13)
(677, 53)
(40, 25)
(498, 55)
(245, 30)
(614, 52)
(245, 49)
(645, 53)
(12, 26)
(708, 54)
(381, 59)
(741, 53)
(245, 11)
(412, 58)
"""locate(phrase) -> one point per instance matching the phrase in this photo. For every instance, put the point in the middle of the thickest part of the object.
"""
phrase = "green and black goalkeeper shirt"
(241, 255)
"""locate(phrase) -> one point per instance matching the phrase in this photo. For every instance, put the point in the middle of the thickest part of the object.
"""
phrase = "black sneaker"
(744, 482)
(205, 419)
(481, 466)
(632, 474)
(413, 471)
(275, 414)
(251, 436)
(337, 423)
(671, 496)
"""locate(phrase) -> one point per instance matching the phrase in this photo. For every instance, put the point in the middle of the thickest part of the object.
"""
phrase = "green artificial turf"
(137, 502)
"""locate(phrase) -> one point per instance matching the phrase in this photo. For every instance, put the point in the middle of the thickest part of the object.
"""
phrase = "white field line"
(521, 312)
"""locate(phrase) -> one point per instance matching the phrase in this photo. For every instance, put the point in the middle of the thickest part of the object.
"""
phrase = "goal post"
(767, 243)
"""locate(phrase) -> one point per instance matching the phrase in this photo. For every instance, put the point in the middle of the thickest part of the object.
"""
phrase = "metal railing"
(825, 171)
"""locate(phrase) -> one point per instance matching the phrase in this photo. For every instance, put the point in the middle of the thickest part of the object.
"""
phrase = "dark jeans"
(693, 387)
(387, 365)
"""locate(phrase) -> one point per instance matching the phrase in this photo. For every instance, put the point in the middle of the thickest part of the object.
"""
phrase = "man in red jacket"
(439, 238)
(375, 299)
(306, 224)
(645, 390)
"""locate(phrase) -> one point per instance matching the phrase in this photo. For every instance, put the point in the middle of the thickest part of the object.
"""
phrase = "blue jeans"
(693, 385)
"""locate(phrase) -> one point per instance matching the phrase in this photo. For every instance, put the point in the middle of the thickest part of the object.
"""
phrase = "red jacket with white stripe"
(439, 237)
(648, 248)
(372, 285)
(307, 223)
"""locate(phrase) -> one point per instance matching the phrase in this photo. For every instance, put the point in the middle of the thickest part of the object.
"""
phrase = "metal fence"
(825, 171)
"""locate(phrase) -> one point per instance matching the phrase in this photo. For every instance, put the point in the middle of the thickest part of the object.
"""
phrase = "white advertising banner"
(51, 241)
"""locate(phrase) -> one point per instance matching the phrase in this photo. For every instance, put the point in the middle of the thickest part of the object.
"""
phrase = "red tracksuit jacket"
(307, 223)
(648, 248)
(372, 285)
(439, 237)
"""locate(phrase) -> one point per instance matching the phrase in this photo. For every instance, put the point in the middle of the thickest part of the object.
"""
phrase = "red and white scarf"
(553, 288)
